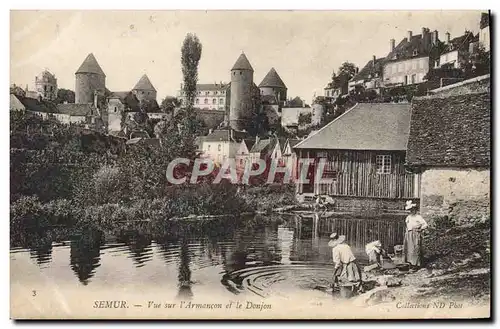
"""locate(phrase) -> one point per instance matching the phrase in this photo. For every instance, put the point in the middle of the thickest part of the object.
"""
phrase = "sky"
(303, 46)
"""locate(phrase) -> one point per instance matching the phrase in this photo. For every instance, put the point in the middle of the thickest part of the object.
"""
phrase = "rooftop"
(366, 126)
(90, 65)
(144, 84)
(451, 131)
(370, 69)
(242, 63)
(272, 79)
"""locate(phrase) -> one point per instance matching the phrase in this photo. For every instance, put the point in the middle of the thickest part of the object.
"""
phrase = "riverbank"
(456, 272)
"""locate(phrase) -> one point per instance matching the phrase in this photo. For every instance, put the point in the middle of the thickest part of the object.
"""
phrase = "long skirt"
(412, 248)
(348, 273)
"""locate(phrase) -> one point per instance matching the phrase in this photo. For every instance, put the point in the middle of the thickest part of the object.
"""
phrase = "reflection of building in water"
(359, 232)
(315, 232)
(285, 240)
(140, 248)
(85, 252)
(184, 275)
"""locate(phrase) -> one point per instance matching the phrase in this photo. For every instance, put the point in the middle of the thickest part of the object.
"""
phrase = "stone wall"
(476, 85)
(86, 84)
(463, 194)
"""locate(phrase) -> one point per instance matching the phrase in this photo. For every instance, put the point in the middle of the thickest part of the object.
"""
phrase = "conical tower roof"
(144, 84)
(272, 79)
(90, 65)
(242, 64)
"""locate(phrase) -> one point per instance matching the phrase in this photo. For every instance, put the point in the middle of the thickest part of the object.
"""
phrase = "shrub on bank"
(268, 197)
(30, 212)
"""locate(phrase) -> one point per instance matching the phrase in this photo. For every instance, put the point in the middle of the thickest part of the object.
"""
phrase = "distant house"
(364, 151)
(243, 152)
(449, 144)
(290, 117)
(457, 50)
(65, 113)
(290, 156)
(209, 96)
(409, 61)
(220, 145)
(262, 149)
(370, 76)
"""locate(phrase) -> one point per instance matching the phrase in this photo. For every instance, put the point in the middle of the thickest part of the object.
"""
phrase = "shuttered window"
(383, 164)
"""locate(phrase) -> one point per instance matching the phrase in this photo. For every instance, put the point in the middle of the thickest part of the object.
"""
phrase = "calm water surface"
(283, 255)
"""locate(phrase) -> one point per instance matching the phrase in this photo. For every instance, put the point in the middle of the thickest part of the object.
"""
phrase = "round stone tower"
(273, 85)
(89, 79)
(144, 89)
(241, 93)
(46, 86)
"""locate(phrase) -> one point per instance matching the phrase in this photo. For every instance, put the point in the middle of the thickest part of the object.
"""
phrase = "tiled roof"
(370, 68)
(74, 109)
(261, 145)
(272, 79)
(242, 63)
(405, 49)
(211, 86)
(366, 126)
(450, 131)
(219, 136)
(90, 65)
(144, 84)
(293, 142)
(461, 42)
(33, 104)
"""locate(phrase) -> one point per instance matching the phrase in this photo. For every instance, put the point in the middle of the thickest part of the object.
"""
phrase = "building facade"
(46, 86)
(90, 78)
(242, 93)
(272, 84)
(454, 167)
(144, 89)
(363, 152)
(215, 96)
(484, 33)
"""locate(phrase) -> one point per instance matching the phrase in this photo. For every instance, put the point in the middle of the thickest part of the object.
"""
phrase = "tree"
(347, 69)
(65, 95)
(169, 104)
(304, 119)
(190, 57)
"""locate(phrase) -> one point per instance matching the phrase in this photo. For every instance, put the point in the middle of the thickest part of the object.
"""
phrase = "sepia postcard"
(250, 164)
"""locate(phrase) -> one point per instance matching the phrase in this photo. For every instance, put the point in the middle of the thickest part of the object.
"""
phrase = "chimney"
(374, 59)
(447, 38)
(410, 34)
(393, 44)
(257, 139)
(434, 37)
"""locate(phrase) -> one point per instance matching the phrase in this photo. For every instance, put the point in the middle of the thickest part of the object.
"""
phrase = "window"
(414, 78)
(45, 88)
(197, 101)
(221, 101)
(415, 52)
(142, 92)
(401, 67)
(209, 147)
(414, 65)
(219, 147)
(206, 100)
(115, 108)
(383, 164)
(207, 93)
(214, 101)
(406, 79)
(241, 73)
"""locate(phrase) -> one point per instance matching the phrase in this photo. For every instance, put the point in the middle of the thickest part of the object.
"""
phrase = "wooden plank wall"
(357, 175)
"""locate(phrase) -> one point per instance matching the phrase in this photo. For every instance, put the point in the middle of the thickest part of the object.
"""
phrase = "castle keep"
(90, 78)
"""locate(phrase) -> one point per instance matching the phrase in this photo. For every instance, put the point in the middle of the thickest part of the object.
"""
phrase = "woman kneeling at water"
(412, 245)
(346, 268)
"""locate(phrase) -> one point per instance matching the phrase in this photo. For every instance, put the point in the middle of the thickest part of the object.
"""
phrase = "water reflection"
(184, 275)
(288, 250)
(85, 251)
(139, 246)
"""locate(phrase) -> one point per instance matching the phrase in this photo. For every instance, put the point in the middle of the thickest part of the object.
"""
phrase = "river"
(278, 257)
